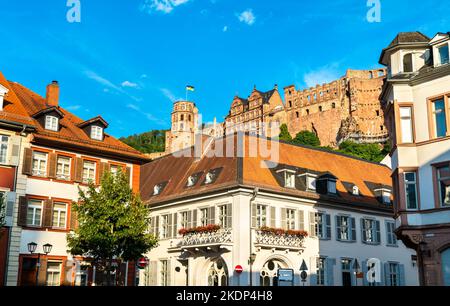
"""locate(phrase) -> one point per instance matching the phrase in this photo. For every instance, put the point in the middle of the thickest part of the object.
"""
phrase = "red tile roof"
(247, 171)
(24, 103)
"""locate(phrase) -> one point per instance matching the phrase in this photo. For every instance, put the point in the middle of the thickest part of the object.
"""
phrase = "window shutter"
(388, 234)
(382, 276)
(353, 274)
(128, 173)
(52, 165)
(14, 152)
(378, 232)
(73, 218)
(104, 167)
(353, 229)
(10, 201)
(27, 167)
(283, 218)
(312, 224)
(363, 231)
(194, 218)
(156, 229)
(338, 228)
(169, 273)
(330, 263)
(387, 280)
(152, 273)
(229, 215)
(328, 226)
(169, 226)
(78, 175)
(23, 206)
(212, 215)
(273, 217)
(301, 220)
(312, 272)
(365, 270)
(402, 274)
(47, 220)
(254, 215)
(175, 225)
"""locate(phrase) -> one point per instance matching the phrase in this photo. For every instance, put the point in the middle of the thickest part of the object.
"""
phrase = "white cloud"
(129, 84)
(225, 28)
(147, 115)
(247, 17)
(101, 80)
(164, 6)
(170, 95)
(322, 75)
(73, 107)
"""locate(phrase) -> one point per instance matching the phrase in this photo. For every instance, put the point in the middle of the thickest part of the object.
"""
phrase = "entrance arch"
(445, 263)
(217, 273)
(268, 275)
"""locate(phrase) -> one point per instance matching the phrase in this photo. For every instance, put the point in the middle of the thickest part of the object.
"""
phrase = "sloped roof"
(409, 37)
(247, 171)
(27, 103)
(266, 95)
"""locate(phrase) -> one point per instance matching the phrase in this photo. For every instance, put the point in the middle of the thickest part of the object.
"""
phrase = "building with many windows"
(47, 153)
(214, 213)
(416, 102)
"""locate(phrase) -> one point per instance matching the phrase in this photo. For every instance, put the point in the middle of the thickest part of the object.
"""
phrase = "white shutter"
(312, 224)
(10, 202)
(301, 220)
(13, 150)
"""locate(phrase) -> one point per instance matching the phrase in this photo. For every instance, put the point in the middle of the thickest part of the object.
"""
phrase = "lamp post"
(47, 248)
(356, 268)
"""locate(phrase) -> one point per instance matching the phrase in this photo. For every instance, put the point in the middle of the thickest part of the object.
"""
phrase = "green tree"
(284, 133)
(307, 138)
(149, 142)
(113, 224)
(371, 152)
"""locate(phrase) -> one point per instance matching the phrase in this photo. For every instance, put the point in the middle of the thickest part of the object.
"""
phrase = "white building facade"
(207, 229)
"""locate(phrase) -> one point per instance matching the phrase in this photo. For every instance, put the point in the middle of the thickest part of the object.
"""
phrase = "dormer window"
(191, 181)
(386, 197)
(157, 190)
(408, 63)
(96, 132)
(355, 190)
(443, 54)
(209, 178)
(51, 123)
(311, 182)
(289, 179)
(331, 186)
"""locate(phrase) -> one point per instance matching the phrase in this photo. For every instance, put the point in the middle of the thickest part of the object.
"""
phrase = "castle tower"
(184, 126)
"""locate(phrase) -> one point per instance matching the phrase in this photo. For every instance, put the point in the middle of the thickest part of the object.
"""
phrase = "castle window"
(315, 96)
(182, 118)
(408, 63)
(378, 113)
(190, 118)
(307, 111)
(333, 105)
(290, 103)
(297, 114)
(381, 128)
(320, 108)
(371, 75)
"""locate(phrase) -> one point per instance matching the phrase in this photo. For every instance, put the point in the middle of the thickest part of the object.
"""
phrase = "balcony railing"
(271, 240)
(223, 236)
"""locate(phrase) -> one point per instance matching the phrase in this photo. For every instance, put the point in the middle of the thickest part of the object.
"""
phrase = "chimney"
(53, 94)
(275, 87)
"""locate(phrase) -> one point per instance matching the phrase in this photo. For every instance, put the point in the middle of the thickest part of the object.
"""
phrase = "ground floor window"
(346, 265)
(269, 273)
(218, 274)
(320, 271)
(54, 273)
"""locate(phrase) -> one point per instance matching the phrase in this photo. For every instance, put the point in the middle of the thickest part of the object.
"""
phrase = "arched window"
(290, 103)
(269, 273)
(218, 274)
(190, 118)
(182, 118)
(297, 114)
(307, 111)
(408, 63)
(320, 108)
(333, 105)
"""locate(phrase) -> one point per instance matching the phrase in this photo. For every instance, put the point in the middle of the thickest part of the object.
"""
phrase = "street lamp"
(356, 268)
(251, 261)
(32, 246)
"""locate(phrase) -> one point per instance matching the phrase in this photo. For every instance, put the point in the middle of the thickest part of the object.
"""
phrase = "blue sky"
(128, 60)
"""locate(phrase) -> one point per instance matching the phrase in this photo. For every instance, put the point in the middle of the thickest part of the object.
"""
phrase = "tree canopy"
(284, 133)
(113, 223)
(307, 138)
(149, 142)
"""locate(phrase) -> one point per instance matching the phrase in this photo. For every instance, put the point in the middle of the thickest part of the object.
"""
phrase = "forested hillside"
(149, 142)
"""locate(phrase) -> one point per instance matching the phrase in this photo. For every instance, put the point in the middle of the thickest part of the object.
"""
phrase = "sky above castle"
(129, 60)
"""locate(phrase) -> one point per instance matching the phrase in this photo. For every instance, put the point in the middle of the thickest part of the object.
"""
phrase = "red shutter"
(78, 175)
(23, 206)
(52, 157)
(27, 162)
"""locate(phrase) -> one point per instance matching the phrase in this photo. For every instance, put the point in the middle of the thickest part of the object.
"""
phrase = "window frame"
(390, 235)
(431, 119)
(223, 214)
(348, 226)
(97, 132)
(37, 172)
(164, 272)
(398, 122)
(405, 188)
(164, 227)
(35, 206)
(321, 271)
(58, 175)
(291, 220)
(438, 50)
(66, 210)
(94, 180)
(204, 216)
(6, 144)
(261, 215)
(391, 274)
(51, 123)
(437, 187)
(60, 272)
(373, 232)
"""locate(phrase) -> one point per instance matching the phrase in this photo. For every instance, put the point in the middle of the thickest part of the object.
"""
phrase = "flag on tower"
(190, 88)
